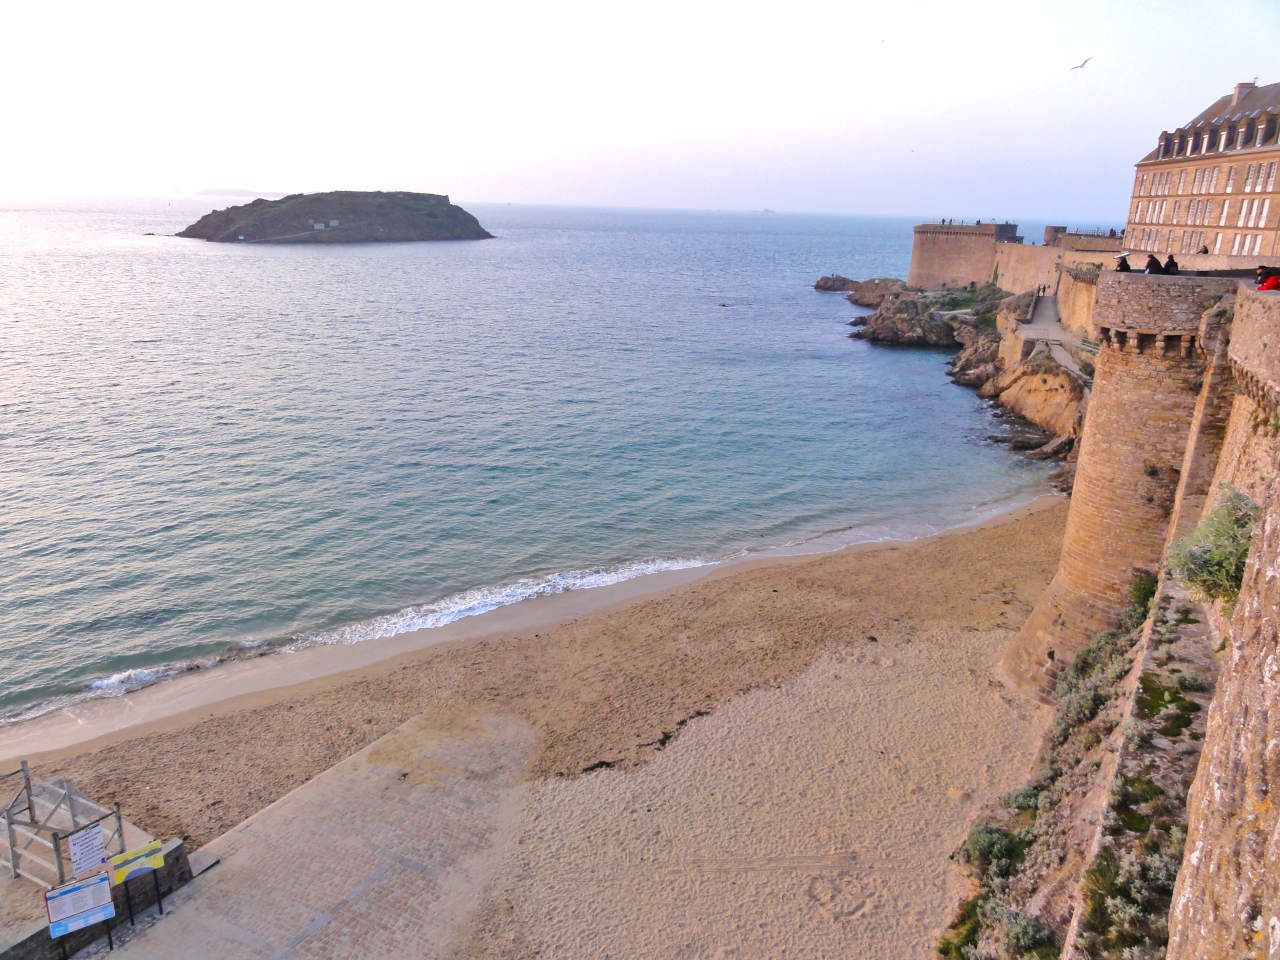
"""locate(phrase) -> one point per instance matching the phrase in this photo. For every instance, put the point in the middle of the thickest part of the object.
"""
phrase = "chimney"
(1241, 90)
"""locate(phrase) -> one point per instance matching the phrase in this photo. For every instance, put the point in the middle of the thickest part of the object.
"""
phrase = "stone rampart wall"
(1076, 289)
(1019, 268)
(944, 256)
(1134, 303)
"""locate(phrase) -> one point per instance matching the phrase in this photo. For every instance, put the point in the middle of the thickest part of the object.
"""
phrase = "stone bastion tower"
(1159, 352)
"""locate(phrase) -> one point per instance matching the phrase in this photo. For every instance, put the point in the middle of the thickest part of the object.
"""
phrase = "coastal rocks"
(1041, 390)
(909, 319)
(834, 284)
(341, 216)
(1018, 374)
(872, 293)
(864, 293)
(977, 361)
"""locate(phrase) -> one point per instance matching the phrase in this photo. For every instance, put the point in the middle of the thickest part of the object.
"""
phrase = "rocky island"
(340, 216)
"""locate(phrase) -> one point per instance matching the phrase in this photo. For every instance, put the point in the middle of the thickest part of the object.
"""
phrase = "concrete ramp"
(383, 855)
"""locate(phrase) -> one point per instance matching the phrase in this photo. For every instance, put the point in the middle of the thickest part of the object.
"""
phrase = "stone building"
(1211, 184)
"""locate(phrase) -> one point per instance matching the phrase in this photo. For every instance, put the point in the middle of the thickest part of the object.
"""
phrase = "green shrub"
(1210, 560)
(991, 851)
(1024, 798)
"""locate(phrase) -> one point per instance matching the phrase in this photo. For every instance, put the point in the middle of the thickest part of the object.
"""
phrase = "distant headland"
(341, 216)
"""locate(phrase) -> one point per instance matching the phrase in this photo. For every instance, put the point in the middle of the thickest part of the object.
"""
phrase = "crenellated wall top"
(1138, 303)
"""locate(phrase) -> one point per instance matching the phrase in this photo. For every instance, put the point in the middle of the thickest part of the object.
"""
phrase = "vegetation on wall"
(1025, 842)
(1211, 559)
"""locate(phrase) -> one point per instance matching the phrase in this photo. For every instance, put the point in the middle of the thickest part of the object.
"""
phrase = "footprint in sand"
(838, 896)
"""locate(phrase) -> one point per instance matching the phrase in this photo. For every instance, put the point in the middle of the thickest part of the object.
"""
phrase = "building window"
(1253, 212)
(1174, 218)
(1222, 217)
(1257, 245)
(1248, 179)
(1213, 184)
(1217, 244)
(1231, 178)
(1182, 180)
(1195, 181)
(1266, 210)
(1235, 246)
(1271, 178)
(1244, 212)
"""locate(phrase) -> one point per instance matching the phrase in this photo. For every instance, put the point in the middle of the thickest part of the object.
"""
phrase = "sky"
(929, 109)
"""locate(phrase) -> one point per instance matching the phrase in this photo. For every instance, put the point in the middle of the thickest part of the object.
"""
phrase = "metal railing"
(40, 818)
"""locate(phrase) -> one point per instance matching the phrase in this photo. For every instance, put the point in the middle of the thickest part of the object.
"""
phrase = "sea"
(210, 451)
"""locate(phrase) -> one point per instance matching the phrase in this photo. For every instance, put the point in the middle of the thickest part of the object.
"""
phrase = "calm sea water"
(207, 447)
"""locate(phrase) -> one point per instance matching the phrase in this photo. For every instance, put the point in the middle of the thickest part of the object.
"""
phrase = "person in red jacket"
(1271, 283)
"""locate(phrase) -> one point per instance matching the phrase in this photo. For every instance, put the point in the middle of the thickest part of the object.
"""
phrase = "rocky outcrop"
(909, 319)
(1042, 391)
(993, 359)
(834, 284)
(343, 216)
(865, 293)
(977, 361)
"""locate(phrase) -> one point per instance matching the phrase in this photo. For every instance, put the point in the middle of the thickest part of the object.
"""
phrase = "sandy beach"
(815, 732)
(601, 689)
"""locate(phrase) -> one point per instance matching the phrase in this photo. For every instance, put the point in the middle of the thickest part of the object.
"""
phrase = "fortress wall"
(1208, 423)
(1227, 898)
(1088, 241)
(1155, 305)
(1147, 385)
(949, 256)
(1076, 288)
(1249, 443)
(1020, 268)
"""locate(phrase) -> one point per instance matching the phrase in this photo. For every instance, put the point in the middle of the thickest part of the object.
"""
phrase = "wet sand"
(610, 689)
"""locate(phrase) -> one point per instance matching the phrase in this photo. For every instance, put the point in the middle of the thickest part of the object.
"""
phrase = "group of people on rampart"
(1267, 278)
(1152, 266)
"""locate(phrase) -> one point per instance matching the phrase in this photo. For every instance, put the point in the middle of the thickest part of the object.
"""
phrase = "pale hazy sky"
(935, 109)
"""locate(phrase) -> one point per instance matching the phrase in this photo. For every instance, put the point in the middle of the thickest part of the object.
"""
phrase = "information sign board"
(86, 850)
(136, 862)
(80, 904)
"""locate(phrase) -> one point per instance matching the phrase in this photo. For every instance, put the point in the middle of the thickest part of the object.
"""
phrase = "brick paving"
(382, 855)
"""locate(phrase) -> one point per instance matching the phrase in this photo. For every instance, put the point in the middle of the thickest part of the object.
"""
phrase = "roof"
(1254, 103)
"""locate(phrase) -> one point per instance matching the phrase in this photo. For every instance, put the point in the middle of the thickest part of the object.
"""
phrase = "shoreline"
(605, 689)
(195, 692)
(803, 738)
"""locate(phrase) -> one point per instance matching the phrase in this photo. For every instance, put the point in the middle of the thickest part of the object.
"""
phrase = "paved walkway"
(1046, 325)
(383, 855)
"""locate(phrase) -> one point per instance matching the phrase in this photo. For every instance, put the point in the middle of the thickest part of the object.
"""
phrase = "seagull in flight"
(1082, 63)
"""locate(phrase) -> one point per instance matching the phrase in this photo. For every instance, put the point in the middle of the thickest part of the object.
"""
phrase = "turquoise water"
(210, 448)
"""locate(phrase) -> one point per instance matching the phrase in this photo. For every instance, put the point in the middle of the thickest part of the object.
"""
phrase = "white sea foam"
(118, 684)
(470, 603)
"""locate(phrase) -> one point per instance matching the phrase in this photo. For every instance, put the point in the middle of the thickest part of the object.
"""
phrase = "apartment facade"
(1211, 185)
